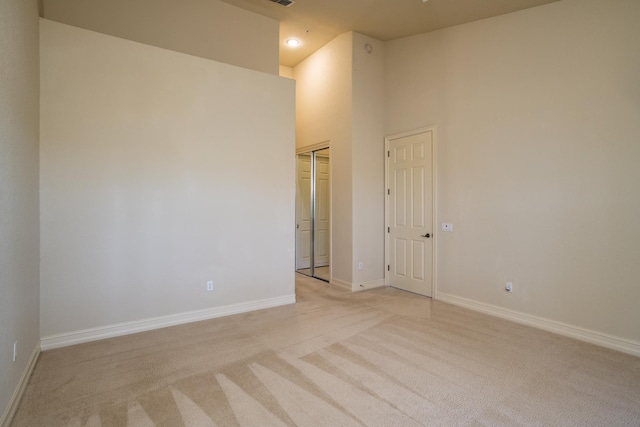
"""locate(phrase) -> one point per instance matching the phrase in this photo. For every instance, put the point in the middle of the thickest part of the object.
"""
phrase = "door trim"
(434, 178)
(314, 147)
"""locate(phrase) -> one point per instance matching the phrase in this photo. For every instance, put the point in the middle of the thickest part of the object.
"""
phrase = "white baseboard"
(341, 284)
(359, 287)
(12, 407)
(94, 334)
(582, 334)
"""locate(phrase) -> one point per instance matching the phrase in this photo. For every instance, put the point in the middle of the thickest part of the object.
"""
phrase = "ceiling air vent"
(285, 3)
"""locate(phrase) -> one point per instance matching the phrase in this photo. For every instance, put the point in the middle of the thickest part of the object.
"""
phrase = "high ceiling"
(316, 22)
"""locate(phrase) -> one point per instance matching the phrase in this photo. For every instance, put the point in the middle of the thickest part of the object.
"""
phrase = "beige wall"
(323, 113)
(19, 230)
(537, 115)
(368, 161)
(340, 97)
(286, 72)
(159, 171)
(207, 28)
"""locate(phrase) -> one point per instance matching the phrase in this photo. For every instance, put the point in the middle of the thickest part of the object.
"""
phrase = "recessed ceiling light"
(293, 43)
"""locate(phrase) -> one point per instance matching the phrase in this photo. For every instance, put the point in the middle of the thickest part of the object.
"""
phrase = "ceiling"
(316, 22)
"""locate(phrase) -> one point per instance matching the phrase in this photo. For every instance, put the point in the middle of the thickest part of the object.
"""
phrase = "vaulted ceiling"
(316, 22)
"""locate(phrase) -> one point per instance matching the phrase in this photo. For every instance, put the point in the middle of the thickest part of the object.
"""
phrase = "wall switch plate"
(360, 265)
(447, 227)
(210, 285)
(509, 287)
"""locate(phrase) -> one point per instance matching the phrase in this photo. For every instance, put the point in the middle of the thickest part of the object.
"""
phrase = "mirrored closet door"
(313, 214)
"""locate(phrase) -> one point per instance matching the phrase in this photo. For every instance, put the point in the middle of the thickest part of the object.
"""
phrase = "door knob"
(425, 235)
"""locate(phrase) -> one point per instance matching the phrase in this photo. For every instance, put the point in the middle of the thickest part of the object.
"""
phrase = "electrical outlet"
(447, 227)
(360, 265)
(15, 351)
(509, 287)
(210, 285)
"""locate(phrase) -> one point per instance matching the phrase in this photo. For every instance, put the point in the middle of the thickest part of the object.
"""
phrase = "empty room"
(442, 228)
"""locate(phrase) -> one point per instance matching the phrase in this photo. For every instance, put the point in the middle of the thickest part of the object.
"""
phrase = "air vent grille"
(285, 3)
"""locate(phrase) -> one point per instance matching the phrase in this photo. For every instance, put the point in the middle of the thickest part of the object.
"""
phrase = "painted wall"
(285, 72)
(19, 229)
(537, 114)
(207, 28)
(323, 113)
(368, 162)
(340, 97)
(159, 171)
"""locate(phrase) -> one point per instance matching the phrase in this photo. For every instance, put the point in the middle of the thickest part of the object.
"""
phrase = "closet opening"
(313, 213)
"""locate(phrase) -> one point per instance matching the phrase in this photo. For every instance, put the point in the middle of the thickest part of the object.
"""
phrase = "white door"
(323, 213)
(410, 212)
(303, 212)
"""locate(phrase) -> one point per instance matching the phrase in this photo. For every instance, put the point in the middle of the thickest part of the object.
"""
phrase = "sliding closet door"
(313, 214)
(303, 214)
(322, 216)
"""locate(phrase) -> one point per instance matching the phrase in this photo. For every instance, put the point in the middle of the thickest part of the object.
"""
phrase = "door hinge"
(388, 153)
(388, 191)
(388, 229)
(388, 267)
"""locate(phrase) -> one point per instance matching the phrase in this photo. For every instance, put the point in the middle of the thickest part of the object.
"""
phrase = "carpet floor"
(377, 358)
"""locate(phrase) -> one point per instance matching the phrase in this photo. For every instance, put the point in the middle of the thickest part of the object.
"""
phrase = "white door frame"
(434, 176)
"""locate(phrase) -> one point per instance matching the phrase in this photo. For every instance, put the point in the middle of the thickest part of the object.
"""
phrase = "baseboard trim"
(12, 407)
(359, 287)
(582, 334)
(126, 328)
(341, 284)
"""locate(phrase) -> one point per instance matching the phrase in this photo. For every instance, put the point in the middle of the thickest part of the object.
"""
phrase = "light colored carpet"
(376, 358)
